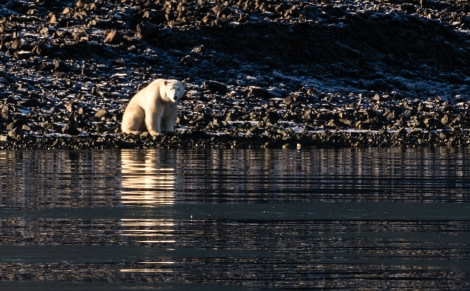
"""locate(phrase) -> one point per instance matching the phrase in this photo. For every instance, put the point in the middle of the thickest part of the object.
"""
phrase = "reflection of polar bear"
(154, 108)
(148, 177)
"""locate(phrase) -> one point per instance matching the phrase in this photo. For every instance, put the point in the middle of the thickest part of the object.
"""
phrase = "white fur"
(153, 108)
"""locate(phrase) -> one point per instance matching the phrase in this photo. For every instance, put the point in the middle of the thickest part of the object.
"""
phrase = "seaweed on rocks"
(259, 74)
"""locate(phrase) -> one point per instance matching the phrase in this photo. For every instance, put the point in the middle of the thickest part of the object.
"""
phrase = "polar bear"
(153, 108)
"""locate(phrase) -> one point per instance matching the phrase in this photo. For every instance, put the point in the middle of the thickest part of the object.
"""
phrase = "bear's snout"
(172, 95)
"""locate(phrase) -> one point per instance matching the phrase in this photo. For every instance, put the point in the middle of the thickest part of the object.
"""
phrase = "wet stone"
(15, 133)
(258, 92)
(101, 113)
(215, 87)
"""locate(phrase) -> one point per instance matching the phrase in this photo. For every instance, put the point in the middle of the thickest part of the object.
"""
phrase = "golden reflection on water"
(151, 267)
(147, 178)
(149, 231)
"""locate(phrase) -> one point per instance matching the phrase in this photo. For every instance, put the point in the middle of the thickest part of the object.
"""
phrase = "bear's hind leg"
(133, 120)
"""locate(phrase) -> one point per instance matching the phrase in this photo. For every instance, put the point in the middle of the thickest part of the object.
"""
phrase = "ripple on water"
(343, 218)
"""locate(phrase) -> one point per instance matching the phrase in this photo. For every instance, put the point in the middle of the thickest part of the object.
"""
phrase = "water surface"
(392, 219)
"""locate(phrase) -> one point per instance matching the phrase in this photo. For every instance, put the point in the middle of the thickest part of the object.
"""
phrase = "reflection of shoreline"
(146, 179)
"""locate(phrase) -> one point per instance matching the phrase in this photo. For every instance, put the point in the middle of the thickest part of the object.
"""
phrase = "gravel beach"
(258, 74)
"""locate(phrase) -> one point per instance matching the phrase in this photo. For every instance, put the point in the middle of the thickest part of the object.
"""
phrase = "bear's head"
(174, 90)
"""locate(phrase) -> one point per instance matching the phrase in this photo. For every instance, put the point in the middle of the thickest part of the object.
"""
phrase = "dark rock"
(101, 113)
(390, 114)
(431, 123)
(445, 120)
(146, 30)
(25, 127)
(112, 36)
(59, 65)
(215, 87)
(15, 133)
(189, 60)
(47, 125)
(31, 102)
(258, 93)
(68, 129)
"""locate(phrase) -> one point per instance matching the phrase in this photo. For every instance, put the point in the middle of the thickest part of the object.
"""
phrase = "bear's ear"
(165, 82)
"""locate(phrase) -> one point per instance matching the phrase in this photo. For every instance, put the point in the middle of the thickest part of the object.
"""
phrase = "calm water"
(380, 219)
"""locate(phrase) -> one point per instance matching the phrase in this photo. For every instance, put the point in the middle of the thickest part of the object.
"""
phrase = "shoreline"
(202, 140)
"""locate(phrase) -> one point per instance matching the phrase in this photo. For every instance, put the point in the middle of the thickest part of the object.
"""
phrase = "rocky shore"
(259, 74)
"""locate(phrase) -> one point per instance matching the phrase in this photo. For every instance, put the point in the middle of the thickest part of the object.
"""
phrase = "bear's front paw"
(155, 133)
